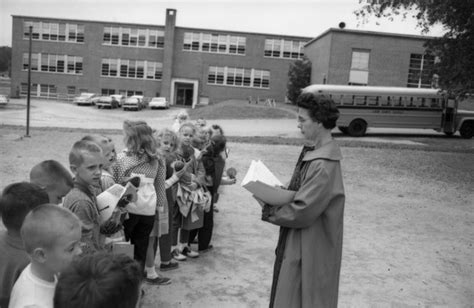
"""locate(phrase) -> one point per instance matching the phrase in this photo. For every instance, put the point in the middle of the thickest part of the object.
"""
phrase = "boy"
(54, 178)
(86, 161)
(16, 201)
(100, 280)
(51, 235)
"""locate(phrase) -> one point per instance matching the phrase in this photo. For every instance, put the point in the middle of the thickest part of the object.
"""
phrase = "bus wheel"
(343, 129)
(467, 129)
(357, 128)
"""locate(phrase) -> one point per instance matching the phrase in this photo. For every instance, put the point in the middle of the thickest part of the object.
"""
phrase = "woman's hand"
(228, 181)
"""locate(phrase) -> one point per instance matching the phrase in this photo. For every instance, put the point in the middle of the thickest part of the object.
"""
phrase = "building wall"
(177, 62)
(319, 53)
(388, 62)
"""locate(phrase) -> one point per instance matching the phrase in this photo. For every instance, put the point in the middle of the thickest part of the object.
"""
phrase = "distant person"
(16, 201)
(51, 235)
(181, 118)
(100, 280)
(309, 250)
(54, 178)
(86, 161)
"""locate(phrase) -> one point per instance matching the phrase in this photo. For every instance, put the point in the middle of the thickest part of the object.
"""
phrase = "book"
(264, 185)
(107, 200)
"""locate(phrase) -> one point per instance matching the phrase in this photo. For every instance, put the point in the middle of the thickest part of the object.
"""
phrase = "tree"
(5, 59)
(299, 76)
(454, 51)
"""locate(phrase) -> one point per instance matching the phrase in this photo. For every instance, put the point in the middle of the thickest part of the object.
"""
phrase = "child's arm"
(84, 210)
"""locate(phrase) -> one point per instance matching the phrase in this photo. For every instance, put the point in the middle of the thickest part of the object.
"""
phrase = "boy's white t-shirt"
(31, 291)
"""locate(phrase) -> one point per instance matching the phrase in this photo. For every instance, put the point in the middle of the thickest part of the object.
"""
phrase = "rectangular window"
(25, 61)
(113, 67)
(36, 30)
(125, 36)
(152, 38)
(211, 77)
(107, 35)
(71, 90)
(247, 77)
(268, 48)
(80, 34)
(142, 37)
(420, 71)
(45, 31)
(133, 37)
(188, 39)
(276, 52)
(257, 79)
(61, 63)
(286, 49)
(220, 75)
(115, 35)
(54, 31)
(140, 69)
(150, 70)
(241, 45)
(44, 62)
(34, 61)
(78, 65)
(52, 63)
(222, 43)
(214, 40)
(72, 32)
(195, 42)
(230, 76)
(359, 73)
(123, 68)
(107, 92)
(105, 67)
(160, 40)
(233, 44)
(62, 32)
(26, 29)
(158, 70)
(239, 76)
(206, 42)
(132, 69)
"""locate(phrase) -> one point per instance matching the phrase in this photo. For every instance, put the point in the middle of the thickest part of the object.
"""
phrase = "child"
(140, 158)
(54, 178)
(167, 143)
(181, 118)
(185, 135)
(86, 163)
(100, 280)
(213, 160)
(16, 201)
(51, 235)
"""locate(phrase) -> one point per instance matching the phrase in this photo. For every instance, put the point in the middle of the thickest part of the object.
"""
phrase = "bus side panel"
(429, 119)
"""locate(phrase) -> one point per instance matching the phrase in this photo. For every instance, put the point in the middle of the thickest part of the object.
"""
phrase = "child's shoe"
(178, 256)
(158, 280)
(170, 266)
(189, 253)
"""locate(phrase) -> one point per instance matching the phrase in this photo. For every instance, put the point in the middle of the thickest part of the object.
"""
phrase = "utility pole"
(29, 86)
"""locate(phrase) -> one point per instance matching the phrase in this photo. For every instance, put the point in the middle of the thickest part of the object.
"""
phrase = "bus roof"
(369, 90)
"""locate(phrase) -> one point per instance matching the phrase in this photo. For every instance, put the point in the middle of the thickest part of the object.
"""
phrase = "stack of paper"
(264, 185)
(108, 199)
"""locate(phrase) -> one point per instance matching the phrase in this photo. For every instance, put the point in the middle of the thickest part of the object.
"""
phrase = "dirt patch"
(409, 227)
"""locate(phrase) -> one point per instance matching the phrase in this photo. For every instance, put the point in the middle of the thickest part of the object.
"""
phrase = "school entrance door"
(184, 94)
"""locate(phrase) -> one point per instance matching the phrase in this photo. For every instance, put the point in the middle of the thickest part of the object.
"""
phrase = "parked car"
(112, 101)
(86, 99)
(159, 102)
(4, 100)
(135, 102)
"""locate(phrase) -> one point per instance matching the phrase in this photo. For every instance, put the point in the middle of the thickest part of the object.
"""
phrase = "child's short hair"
(166, 133)
(76, 156)
(139, 138)
(99, 139)
(17, 200)
(99, 280)
(45, 224)
(216, 145)
(215, 127)
(51, 175)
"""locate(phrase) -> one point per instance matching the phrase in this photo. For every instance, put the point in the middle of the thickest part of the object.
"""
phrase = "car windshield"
(158, 99)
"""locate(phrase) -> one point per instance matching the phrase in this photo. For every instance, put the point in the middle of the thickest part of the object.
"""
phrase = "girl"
(213, 159)
(140, 158)
(195, 167)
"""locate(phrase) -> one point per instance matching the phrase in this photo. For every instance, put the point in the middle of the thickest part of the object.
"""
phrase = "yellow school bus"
(362, 106)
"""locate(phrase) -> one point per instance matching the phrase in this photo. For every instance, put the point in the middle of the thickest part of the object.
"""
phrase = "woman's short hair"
(320, 108)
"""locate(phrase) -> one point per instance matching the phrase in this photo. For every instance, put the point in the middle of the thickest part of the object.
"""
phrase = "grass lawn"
(241, 109)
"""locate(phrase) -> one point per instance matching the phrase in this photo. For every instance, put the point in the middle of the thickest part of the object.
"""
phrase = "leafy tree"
(299, 76)
(5, 58)
(454, 51)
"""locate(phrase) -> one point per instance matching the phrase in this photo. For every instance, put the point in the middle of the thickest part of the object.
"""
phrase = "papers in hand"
(107, 200)
(264, 185)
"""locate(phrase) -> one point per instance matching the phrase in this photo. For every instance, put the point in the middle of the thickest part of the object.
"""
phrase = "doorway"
(184, 94)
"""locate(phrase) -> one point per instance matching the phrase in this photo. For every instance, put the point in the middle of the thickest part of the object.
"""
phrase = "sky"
(300, 17)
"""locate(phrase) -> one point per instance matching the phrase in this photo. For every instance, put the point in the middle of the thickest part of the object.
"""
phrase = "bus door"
(449, 115)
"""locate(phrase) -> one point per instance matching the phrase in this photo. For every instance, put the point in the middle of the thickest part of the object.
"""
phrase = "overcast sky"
(301, 17)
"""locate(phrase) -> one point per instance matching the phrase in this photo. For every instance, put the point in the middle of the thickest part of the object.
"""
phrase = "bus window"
(398, 101)
(411, 103)
(385, 100)
(347, 99)
(360, 100)
(421, 102)
(373, 100)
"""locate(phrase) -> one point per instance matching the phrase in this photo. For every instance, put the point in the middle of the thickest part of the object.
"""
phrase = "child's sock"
(181, 246)
(151, 272)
